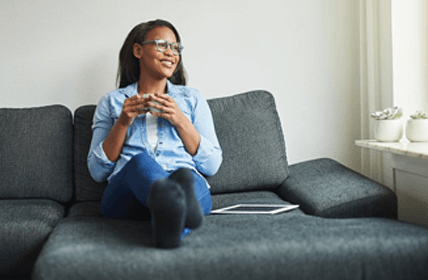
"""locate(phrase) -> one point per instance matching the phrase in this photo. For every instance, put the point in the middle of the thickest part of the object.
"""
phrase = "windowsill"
(417, 150)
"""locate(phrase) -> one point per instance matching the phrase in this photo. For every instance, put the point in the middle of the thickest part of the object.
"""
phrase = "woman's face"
(159, 65)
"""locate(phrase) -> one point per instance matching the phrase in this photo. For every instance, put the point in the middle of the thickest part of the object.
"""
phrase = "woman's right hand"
(132, 107)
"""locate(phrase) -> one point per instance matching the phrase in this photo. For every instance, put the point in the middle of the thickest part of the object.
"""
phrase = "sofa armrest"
(325, 188)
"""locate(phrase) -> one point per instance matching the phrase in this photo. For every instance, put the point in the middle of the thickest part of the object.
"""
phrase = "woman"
(153, 138)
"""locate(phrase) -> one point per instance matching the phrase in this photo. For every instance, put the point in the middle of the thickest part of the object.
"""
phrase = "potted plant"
(388, 126)
(417, 127)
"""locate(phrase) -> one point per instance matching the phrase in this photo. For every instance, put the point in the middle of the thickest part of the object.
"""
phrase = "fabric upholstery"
(86, 188)
(250, 134)
(86, 209)
(31, 139)
(325, 188)
(24, 228)
(291, 245)
(286, 246)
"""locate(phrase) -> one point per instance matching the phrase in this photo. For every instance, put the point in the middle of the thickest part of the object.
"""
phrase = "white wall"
(306, 52)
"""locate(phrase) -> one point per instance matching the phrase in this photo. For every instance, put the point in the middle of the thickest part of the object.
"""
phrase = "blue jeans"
(125, 197)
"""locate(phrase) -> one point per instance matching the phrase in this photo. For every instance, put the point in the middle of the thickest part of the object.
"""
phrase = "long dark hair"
(129, 67)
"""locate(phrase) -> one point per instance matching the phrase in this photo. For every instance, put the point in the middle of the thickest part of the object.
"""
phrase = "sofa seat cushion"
(93, 208)
(24, 227)
(286, 246)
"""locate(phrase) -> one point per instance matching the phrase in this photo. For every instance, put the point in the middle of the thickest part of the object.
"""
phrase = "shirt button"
(163, 166)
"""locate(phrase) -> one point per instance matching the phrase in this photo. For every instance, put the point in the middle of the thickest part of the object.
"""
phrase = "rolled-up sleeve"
(209, 155)
(100, 167)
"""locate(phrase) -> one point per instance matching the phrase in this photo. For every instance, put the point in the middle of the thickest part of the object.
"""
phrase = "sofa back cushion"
(86, 188)
(250, 135)
(36, 153)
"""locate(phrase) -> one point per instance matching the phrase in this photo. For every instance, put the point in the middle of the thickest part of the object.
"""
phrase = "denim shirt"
(170, 153)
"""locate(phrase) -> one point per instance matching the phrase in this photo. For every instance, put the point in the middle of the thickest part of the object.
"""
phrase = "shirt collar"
(132, 89)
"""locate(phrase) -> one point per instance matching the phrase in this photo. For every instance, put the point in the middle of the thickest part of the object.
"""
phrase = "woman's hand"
(132, 107)
(169, 110)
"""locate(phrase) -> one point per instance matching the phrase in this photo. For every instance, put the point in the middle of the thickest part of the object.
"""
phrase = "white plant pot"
(388, 130)
(417, 130)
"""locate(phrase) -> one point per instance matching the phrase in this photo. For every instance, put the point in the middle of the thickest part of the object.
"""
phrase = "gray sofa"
(51, 225)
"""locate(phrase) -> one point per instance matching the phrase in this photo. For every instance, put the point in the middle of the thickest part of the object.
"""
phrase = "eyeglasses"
(162, 46)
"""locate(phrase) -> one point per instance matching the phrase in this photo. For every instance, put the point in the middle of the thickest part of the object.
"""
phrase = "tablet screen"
(254, 209)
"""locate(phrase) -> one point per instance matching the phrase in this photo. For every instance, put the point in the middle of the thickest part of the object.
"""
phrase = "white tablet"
(254, 209)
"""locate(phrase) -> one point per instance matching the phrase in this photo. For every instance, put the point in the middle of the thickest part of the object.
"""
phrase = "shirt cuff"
(100, 166)
(208, 158)
(101, 156)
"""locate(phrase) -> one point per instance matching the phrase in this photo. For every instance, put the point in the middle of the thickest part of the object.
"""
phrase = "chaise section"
(325, 188)
(286, 246)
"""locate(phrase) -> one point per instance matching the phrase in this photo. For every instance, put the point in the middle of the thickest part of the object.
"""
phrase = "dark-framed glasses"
(162, 45)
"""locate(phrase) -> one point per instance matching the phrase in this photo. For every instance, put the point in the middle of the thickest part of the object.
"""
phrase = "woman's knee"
(137, 160)
(203, 193)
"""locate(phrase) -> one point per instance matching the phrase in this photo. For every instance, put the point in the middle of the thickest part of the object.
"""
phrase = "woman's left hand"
(170, 111)
(168, 108)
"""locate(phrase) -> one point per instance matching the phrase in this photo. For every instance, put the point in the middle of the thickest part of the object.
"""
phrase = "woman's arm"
(100, 167)
(113, 144)
(189, 135)
(108, 136)
(209, 156)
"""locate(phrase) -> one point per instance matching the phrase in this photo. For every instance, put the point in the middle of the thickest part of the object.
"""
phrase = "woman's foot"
(195, 215)
(167, 204)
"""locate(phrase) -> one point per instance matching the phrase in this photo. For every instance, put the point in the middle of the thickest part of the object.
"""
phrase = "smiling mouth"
(167, 62)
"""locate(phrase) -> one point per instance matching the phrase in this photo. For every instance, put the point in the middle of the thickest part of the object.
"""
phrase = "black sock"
(167, 204)
(195, 215)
